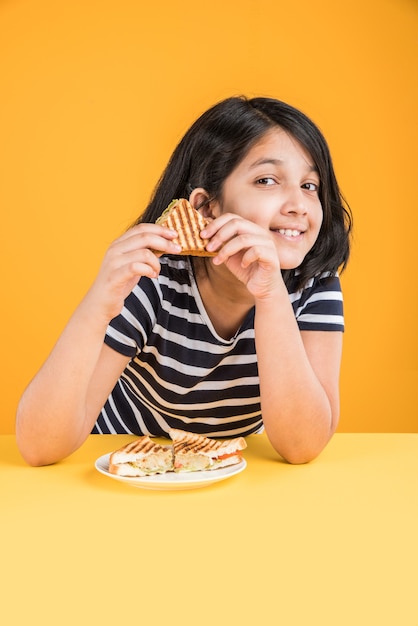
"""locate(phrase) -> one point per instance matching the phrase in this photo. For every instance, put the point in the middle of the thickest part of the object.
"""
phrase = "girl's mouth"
(289, 232)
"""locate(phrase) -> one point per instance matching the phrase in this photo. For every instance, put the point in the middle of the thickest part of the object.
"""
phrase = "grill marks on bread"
(183, 218)
(190, 443)
(143, 445)
(195, 444)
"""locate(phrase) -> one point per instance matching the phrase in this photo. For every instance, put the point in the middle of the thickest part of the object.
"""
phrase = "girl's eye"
(267, 180)
(310, 186)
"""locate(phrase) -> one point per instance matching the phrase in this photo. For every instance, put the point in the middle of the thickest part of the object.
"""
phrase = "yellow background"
(94, 95)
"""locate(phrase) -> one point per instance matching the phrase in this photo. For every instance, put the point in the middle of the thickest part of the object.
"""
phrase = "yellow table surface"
(331, 542)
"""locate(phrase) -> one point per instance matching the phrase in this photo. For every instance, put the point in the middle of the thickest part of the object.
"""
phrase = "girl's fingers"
(142, 262)
(228, 227)
(142, 229)
(255, 247)
(154, 238)
(143, 257)
(135, 269)
(215, 225)
(258, 254)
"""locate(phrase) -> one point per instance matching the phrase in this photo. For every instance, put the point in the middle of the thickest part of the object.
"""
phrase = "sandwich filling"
(142, 457)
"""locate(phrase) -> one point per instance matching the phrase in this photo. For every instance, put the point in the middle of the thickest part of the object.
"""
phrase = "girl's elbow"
(299, 457)
(301, 452)
(34, 448)
(31, 451)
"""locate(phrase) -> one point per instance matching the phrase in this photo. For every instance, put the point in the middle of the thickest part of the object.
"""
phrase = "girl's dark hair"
(217, 142)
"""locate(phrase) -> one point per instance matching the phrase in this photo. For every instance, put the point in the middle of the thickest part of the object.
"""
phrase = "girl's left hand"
(247, 250)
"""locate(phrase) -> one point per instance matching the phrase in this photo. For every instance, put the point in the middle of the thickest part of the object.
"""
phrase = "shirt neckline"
(203, 313)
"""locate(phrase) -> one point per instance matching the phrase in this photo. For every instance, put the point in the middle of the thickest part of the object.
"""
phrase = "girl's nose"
(294, 202)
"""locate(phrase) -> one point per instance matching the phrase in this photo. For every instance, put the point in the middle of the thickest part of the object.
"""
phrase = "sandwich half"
(182, 217)
(142, 457)
(193, 452)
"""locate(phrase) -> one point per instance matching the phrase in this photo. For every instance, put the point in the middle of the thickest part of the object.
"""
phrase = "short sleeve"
(127, 333)
(319, 306)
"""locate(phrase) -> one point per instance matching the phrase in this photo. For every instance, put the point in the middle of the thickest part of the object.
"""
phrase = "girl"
(223, 346)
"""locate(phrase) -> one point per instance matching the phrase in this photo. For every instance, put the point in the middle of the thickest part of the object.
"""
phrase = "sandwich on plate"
(194, 453)
(141, 457)
(182, 217)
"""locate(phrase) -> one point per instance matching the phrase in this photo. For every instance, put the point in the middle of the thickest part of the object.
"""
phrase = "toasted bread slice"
(194, 452)
(142, 457)
(182, 217)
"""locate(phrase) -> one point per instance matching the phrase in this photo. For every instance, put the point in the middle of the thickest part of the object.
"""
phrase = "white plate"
(171, 480)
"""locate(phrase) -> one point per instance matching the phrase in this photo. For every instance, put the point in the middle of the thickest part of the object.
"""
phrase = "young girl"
(223, 346)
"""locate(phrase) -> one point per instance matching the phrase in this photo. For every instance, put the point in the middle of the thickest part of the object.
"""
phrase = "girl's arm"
(59, 407)
(299, 380)
(298, 371)
(61, 404)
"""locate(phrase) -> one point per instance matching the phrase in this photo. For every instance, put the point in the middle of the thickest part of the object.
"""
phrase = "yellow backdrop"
(94, 96)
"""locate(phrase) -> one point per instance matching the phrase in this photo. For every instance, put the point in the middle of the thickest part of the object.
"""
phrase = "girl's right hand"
(129, 257)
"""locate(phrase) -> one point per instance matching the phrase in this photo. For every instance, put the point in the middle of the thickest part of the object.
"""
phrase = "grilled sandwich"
(141, 457)
(194, 453)
(182, 217)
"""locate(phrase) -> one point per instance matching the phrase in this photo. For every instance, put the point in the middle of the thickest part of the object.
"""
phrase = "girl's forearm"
(51, 416)
(297, 412)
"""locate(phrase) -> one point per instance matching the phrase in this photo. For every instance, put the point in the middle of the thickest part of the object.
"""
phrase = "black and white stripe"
(181, 373)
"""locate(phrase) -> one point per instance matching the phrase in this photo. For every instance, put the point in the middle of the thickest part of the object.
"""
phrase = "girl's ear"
(200, 200)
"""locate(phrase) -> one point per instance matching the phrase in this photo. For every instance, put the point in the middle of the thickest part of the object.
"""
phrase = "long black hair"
(217, 142)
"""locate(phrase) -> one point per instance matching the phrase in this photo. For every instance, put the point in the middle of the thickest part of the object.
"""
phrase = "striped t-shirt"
(182, 374)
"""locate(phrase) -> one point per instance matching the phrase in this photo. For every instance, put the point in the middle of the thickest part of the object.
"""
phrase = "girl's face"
(276, 186)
